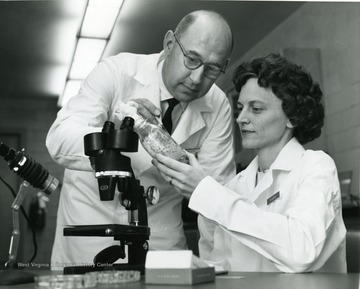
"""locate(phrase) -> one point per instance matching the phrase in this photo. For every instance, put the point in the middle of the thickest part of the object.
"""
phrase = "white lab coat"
(302, 230)
(204, 129)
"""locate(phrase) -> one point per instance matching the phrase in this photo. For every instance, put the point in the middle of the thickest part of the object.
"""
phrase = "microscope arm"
(15, 235)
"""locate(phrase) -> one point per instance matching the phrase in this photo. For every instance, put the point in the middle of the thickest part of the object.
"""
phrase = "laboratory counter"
(245, 280)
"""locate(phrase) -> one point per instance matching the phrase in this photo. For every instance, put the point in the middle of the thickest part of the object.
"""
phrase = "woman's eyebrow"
(251, 102)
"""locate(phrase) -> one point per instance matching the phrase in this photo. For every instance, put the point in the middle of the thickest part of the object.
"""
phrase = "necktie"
(167, 122)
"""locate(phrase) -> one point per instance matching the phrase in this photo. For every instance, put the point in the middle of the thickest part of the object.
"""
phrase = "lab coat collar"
(147, 72)
(147, 76)
(192, 119)
(289, 156)
(287, 159)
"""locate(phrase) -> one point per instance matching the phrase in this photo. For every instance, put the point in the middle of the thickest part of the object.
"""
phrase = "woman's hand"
(183, 177)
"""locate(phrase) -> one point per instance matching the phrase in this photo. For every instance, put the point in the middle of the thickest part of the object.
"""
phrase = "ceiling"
(38, 38)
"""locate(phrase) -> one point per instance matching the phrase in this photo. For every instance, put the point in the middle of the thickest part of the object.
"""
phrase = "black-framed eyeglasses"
(210, 70)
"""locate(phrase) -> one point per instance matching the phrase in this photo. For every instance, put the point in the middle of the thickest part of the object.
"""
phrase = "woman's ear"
(289, 124)
(168, 43)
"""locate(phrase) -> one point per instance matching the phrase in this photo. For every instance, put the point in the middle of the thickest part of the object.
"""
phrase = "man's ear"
(168, 42)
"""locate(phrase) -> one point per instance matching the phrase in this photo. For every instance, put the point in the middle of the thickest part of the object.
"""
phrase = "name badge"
(273, 198)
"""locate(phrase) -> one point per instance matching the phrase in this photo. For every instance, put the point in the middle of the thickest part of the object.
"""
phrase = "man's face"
(186, 84)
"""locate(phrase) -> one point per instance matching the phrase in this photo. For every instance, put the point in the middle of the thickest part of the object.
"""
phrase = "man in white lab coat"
(193, 57)
(283, 212)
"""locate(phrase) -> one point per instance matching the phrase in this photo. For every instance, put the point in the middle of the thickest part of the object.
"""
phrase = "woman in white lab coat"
(283, 212)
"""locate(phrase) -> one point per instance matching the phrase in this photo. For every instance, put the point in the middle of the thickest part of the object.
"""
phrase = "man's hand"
(146, 108)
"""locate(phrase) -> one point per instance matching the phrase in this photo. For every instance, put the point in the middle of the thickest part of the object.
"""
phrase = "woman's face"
(262, 121)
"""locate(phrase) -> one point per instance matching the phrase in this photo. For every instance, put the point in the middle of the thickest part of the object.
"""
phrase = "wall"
(31, 120)
(331, 28)
(334, 30)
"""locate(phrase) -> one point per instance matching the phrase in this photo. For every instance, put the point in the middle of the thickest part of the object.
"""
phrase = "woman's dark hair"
(301, 96)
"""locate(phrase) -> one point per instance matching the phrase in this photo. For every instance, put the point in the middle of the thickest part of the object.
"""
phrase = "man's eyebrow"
(195, 53)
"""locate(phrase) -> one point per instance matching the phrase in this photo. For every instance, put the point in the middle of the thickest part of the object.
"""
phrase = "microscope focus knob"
(153, 195)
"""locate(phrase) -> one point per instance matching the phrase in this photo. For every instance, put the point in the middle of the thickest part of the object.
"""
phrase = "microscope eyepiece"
(104, 149)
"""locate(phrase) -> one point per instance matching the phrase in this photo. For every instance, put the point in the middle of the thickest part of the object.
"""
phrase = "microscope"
(113, 170)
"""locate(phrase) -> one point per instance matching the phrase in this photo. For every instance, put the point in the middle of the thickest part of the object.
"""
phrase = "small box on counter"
(176, 267)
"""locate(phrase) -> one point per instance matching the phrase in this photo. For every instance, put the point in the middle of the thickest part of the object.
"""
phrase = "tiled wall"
(32, 119)
(334, 30)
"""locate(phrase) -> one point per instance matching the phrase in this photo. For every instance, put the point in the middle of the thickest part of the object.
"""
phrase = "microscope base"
(15, 276)
(134, 236)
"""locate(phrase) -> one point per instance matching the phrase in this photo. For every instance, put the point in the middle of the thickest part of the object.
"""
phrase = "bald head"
(204, 38)
(211, 22)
